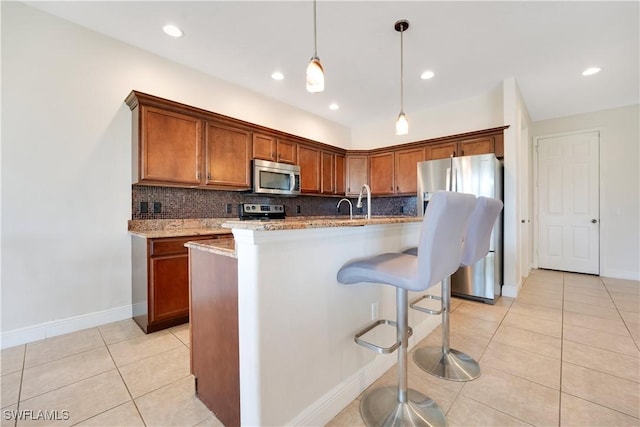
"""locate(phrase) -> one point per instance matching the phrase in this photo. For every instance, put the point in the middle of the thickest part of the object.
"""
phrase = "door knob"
(593, 221)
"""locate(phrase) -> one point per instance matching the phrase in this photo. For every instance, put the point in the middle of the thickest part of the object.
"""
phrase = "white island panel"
(299, 364)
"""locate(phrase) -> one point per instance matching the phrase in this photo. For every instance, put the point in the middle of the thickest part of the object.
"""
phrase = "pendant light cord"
(315, 32)
(402, 71)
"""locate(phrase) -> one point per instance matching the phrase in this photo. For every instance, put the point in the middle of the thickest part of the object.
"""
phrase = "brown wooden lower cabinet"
(214, 333)
(160, 280)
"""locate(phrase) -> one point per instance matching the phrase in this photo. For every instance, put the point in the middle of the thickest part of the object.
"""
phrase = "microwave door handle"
(292, 181)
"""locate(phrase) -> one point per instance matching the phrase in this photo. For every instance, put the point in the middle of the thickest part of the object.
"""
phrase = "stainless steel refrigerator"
(480, 175)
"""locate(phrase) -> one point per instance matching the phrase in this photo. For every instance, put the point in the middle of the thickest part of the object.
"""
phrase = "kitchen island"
(297, 360)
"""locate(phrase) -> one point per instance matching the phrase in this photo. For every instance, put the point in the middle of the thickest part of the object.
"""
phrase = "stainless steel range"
(260, 211)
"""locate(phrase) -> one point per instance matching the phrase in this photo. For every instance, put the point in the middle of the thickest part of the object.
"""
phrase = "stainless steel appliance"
(260, 211)
(480, 175)
(276, 178)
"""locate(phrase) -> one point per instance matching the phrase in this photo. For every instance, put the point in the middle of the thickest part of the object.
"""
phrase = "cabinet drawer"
(172, 245)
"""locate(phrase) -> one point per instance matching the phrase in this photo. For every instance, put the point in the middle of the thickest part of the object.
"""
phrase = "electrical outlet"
(229, 208)
(157, 207)
(374, 310)
(297, 208)
(401, 209)
(144, 207)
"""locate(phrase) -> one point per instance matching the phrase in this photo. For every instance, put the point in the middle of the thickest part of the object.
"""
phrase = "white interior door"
(568, 203)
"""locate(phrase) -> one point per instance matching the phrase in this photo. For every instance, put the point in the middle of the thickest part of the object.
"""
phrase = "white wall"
(516, 178)
(66, 191)
(619, 183)
(481, 112)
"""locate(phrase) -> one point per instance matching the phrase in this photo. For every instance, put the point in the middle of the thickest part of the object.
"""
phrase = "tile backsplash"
(198, 203)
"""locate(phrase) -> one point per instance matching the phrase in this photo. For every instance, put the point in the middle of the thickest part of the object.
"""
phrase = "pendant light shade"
(315, 71)
(315, 76)
(402, 124)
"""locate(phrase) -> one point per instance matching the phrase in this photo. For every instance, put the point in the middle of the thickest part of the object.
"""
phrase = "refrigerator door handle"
(451, 181)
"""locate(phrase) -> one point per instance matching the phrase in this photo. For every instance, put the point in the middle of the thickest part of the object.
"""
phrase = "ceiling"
(470, 46)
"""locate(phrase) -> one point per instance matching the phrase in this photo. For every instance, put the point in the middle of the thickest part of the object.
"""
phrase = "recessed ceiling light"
(277, 75)
(591, 71)
(427, 75)
(172, 31)
(334, 106)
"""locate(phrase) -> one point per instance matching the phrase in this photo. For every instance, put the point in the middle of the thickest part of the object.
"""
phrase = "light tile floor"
(564, 353)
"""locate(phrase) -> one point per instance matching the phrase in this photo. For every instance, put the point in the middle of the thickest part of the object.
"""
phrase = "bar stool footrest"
(424, 309)
(374, 347)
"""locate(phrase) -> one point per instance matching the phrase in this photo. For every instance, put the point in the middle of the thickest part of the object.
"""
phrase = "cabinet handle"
(462, 152)
(391, 188)
(398, 188)
(198, 175)
(209, 176)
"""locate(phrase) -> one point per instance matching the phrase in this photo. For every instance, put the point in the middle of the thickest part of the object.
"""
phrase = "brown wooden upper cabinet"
(382, 173)
(172, 148)
(406, 170)
(168, 147)
(395, 172)
(183, 146)
(357, 173)
(327, 173)
(309, 162)
(267, 147)
(227, 152)
(465, 147)
(340, 178)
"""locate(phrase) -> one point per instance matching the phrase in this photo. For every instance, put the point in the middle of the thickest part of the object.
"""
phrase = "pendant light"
(315, 72)
(402, 125)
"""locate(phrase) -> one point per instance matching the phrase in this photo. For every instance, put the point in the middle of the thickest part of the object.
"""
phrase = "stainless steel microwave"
(276, 178)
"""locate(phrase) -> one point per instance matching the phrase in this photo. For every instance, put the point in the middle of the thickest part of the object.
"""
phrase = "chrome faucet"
(350, 206)
(359, 204)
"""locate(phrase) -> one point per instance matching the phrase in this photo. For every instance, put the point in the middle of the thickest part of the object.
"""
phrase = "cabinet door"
(357, 173)
(228, 156)
(327, 173)
(440, 151)
(471, 147)
(340, 176)
(309, 161)
(286, 152)
(169, 280)
(169, 147)
(381, 173)
(407, 170)
(264, 147)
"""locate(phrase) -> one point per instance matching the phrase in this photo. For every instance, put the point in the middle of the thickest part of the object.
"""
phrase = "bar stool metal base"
(380, 407)
(453, 365)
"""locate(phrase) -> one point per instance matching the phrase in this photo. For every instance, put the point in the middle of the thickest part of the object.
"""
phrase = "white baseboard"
(63, 326)
(328, 406)
(510, 290)
(621, 274)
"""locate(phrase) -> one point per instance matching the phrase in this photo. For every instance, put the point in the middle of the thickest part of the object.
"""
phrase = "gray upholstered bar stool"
(446, 362)
(440, 252)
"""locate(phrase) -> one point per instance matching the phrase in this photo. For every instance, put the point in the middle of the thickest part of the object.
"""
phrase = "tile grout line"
(618, 311)
(24, 358)
(123, 381)
(459, 393)
(561, 352)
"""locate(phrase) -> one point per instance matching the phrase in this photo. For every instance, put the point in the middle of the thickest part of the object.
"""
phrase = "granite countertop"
(159, 228)
(295, 223)
(156, 228)
(226, 247)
